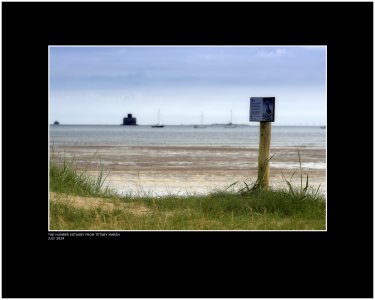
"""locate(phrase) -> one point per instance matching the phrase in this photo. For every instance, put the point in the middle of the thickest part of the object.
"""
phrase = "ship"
(129, 121)
(158, 124)
(200, 126)
(230, 124)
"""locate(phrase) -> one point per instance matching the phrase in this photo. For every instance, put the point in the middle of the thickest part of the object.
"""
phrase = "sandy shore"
(162, 170)
(93, 203)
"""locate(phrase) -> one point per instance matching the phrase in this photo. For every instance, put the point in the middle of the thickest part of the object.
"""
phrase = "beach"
(180, 170)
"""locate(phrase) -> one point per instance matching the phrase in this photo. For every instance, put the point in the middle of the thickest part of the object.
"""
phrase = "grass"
(303, 191)
(240, 207)
(64, 178)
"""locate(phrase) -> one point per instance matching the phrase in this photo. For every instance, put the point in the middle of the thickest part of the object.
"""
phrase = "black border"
(336, 263)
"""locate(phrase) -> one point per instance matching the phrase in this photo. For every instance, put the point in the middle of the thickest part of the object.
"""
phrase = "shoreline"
(192, 169)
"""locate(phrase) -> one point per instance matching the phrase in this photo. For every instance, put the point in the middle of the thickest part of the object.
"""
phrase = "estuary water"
(241, 136)
(184, 159)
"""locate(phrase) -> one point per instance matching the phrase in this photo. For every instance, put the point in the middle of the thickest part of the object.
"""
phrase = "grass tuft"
(65, 178)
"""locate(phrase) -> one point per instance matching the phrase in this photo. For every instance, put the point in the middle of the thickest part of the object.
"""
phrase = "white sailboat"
(230, 124)
(158, 125)
(200, 126)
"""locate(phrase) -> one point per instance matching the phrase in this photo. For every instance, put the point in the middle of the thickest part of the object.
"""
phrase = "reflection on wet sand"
(189, 169)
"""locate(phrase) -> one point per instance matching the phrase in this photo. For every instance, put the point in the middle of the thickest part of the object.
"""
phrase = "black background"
(336, 263)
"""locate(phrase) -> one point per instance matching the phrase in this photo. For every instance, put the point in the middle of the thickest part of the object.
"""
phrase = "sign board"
(262, 109)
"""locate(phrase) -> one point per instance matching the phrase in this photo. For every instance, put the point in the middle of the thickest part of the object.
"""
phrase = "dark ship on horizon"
(129, 121)
(158, 125)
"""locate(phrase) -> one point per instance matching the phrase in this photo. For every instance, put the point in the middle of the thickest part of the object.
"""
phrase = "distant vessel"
(200, 126)
(323, 127)
(230, 124)
(129, 121)
(56, 123)
(158, 125)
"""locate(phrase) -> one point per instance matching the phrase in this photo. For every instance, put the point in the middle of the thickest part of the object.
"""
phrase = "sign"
(262, 109)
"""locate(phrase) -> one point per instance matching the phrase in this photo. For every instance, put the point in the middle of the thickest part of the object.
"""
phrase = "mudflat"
(192, 169)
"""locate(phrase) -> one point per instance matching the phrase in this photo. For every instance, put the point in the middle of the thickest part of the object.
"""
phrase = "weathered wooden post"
(263, 110)
(264, 153)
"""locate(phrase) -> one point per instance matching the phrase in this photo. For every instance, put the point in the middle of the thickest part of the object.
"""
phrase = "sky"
(101, 85)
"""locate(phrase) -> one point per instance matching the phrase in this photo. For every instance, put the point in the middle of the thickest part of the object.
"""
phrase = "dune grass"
(243, 206)
(64, 178)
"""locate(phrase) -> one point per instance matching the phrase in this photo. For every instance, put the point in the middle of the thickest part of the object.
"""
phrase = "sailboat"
(230, 124)
(200, 126)
(158, 125)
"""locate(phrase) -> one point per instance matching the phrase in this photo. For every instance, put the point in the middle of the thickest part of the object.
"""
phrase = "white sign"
(262, 109)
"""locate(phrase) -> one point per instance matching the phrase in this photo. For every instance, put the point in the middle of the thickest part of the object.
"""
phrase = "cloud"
(181, 81)
(272, 53)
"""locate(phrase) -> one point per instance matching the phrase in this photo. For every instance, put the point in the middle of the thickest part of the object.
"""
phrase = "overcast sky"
(101, 85)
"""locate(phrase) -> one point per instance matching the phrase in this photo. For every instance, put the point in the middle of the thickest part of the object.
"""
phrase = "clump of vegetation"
(301, 192)
(65, 178)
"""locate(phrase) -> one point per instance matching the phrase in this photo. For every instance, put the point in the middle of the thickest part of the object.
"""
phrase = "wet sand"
(180, 170)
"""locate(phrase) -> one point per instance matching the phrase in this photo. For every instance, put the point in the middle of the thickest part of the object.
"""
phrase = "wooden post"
(264, 153)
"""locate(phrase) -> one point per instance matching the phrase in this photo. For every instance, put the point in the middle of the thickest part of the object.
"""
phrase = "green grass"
(64, 178)
(268, 210)
(244, 207)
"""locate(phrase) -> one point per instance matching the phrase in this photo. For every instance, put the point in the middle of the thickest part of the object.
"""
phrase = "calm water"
(241, 136)
(176, 168)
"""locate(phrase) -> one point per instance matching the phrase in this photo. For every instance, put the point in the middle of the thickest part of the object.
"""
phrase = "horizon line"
(193, 124)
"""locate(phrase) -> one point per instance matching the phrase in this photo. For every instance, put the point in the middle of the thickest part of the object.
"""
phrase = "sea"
(183, 159)
(240, 136)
